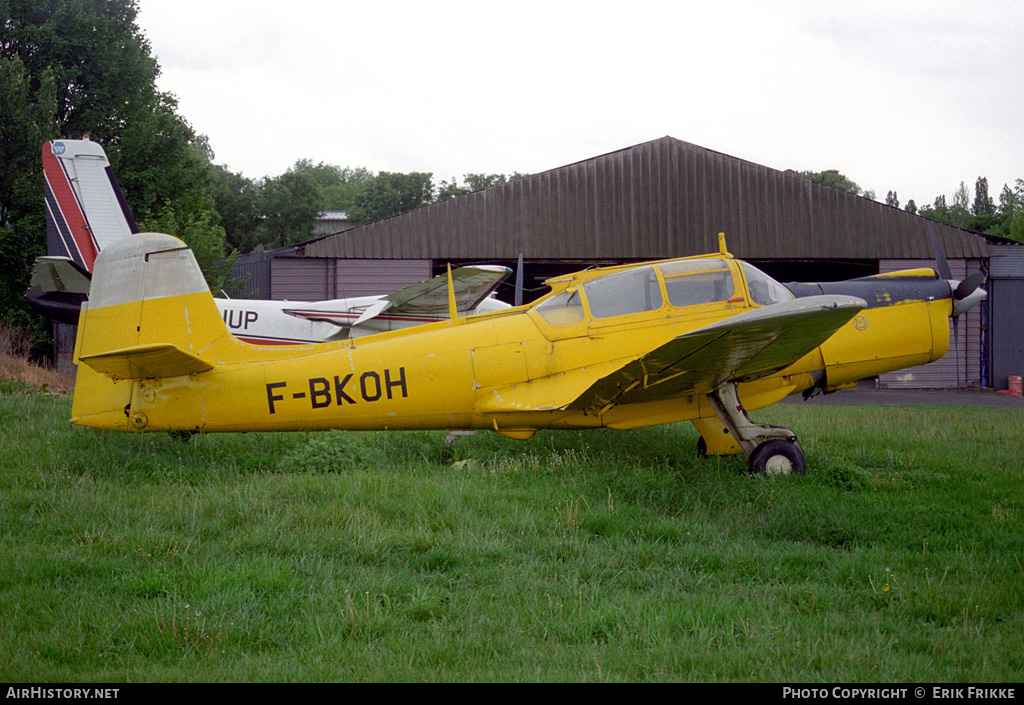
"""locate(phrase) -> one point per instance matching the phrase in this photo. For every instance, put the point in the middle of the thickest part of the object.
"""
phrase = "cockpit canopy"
(686, 282)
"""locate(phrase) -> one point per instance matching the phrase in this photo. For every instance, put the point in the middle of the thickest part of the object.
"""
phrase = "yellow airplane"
(699, 338)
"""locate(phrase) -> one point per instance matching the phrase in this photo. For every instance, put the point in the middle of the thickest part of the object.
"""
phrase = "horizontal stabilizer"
(58, 287)
(146, 362)
(373, 311)
(60, 274)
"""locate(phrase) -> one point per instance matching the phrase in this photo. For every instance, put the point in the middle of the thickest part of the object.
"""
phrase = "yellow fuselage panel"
(888, 338)
(450, 375)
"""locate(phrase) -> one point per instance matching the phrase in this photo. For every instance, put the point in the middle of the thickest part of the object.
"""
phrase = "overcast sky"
(907, 95)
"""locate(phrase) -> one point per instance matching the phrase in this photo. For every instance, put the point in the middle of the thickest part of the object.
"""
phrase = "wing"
(747, 346)
(753, 344)
(427, 300)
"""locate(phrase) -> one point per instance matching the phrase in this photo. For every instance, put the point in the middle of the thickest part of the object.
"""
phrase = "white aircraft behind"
(86, 211)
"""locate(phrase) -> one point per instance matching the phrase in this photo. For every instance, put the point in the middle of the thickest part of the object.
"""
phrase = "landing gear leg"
(451, 439)
(770, 450)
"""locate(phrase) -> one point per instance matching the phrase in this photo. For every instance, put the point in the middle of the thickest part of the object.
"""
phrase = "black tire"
(777, 457)
(702, 448)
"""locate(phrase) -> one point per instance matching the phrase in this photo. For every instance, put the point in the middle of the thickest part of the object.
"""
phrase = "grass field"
(597, 556)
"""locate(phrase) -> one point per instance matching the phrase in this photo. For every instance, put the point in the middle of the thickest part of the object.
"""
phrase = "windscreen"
(763, 289)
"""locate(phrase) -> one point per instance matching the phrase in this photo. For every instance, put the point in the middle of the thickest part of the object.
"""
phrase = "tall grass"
(596, 556)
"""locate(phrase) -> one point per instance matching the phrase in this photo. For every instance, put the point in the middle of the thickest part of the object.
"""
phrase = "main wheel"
(777, 457)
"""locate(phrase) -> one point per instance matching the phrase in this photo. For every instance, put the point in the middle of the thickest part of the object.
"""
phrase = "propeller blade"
(940, 255)
(963, 290)
(968, 286)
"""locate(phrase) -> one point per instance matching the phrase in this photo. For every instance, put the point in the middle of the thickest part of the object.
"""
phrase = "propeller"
(968, 286)
(965, 295)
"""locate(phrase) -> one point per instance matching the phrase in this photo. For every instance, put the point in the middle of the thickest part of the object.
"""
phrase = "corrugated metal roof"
(660, 199)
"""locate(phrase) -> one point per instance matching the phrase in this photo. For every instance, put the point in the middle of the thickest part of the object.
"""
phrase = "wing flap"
(551, 393)
(146, 362)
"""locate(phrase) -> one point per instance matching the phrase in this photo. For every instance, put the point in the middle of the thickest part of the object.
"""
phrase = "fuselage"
(512, 371)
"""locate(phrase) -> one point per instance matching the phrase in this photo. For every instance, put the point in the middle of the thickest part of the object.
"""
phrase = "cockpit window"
(562, 309)
(702, 281)
(622, 293)
(763, 289)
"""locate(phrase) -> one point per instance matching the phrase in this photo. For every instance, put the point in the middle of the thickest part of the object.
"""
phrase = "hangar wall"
(1006, 306)
(302, 279)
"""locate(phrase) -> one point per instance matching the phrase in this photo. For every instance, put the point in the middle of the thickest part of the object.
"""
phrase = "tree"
(911, 207)
(959, 212)
(958, 215)
(981, 215)
(26, 121)
(984, 216)
(199, 229)
(833, 178)
(1008, 201)
(103, 79)
(473, 182)
(938, 211)
(891, 199)
(236, 198)
(289, 205)
(983, 203)
(75, 67)
(339, 187)
(27, 112)
(1010, 217)
(1014, 227)
(391, 193)
(100, 61)
(158, 158)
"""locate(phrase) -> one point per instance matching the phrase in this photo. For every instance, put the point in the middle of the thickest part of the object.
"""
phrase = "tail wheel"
(777, 457)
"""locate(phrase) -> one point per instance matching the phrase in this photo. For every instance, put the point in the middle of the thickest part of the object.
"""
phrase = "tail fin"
(85, 208)
(85, 212)
(150, 316)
